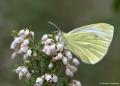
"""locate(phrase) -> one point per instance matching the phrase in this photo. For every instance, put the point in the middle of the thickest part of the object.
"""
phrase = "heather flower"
(44, 61)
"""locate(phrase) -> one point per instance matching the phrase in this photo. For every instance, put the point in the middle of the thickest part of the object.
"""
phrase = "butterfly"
(89, 43)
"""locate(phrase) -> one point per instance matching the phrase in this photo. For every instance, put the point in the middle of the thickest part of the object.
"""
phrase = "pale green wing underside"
(89, 43)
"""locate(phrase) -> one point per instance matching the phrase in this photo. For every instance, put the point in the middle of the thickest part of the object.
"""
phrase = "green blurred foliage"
(116, 5)
(66, 14)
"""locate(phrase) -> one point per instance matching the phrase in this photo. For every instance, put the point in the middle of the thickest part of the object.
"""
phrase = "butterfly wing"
(89, 43)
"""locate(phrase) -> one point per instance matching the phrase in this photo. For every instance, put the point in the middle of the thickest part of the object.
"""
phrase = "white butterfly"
(89, 43)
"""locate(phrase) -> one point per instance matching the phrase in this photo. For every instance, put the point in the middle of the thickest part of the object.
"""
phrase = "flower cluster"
(75, 83)
(49, 78)
(21, 44)
(44, 62)
(23, 72)
(57, 52)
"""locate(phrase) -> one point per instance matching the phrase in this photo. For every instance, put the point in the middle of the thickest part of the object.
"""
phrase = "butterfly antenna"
(54, 25)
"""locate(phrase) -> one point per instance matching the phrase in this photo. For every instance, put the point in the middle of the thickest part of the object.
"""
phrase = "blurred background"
(66, 14)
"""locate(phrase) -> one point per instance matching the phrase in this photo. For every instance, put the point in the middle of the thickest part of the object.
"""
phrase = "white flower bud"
(48, 52)
(55, 78)
(21, 75)
(13, 56)
(69, 55)
(45, 37)
(69, 72)
(76, 83)
(55, 58)
(39, 80)
(32, 71)
(13, 45)
(22, 45)
(43, 76)
(76, 61)
(29, 53)
(21, 32)
(60, 55)
(25, 42)
(32, 33)
(16, 40)
(48, 41)
(65, 61)
(45, 48)
(18, 70)
(27, 32)
(48, 78)
(34, 54)
(60, 47)
(57, 38)
(27, 61)
(21, 39)
(52, 47)
(28, 76)
(25, 57)
(53, 50)
(50, 66)
(24, 71)
(24, 49)
(72, 68)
